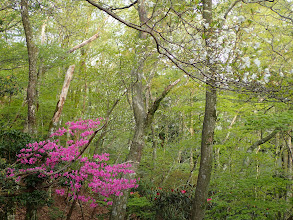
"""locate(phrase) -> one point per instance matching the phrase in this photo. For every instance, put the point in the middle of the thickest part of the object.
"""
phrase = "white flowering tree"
(226, 45)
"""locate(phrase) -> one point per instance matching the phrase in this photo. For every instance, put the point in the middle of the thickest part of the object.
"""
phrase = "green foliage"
(9, 86)
(173, 204)
(55, 213)
(140, 207)
(11, 142)
(103, 73)
(277, 120)
(35, 199)
(162, 203)
(11, 193)
(247, 198)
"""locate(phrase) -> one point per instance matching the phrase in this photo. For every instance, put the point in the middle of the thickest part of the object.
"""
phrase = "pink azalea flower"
(102, 178)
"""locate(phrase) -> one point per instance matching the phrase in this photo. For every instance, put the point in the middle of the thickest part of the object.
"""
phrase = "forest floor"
(60, 208)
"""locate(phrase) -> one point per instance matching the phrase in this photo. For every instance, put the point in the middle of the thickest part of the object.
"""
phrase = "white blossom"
(267, 75)
(229, 69)
(256, 46)
(257, 62)
(218, 127)
(206, 25)
(241, 19)
(253, 76)
(150, 3)
(245, 76)
(246, 61)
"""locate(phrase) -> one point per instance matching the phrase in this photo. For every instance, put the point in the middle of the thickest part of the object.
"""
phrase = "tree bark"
(139, 111)
(60, 103)
(143, 122)
(207, 138)
(206, 161)
(33, 58)
(137, 144)
(92, 38)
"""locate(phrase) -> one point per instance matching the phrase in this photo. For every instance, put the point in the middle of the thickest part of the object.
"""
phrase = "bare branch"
(125, 7)
(166, 53)
(83, 43)
(263, 140)
(6, 7)
(104, 130)
(231, 7)
(109, 12)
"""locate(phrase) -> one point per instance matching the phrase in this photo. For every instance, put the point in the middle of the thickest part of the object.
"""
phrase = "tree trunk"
(32, 57)
(206, 160)
(69, 214)
(31, 212)
(143, 119)
(137, 144)
(63, 95)
(207, 138)
(143, 122)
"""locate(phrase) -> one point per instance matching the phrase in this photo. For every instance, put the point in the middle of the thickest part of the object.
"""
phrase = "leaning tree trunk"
(61, 101)
(206, 161)
(33, 58)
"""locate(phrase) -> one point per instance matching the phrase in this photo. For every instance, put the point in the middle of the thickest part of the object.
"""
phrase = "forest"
(146, 109)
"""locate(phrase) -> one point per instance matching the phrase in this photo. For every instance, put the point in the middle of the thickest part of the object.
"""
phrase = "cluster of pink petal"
(102, 177)
(10, 172)
(43, 158)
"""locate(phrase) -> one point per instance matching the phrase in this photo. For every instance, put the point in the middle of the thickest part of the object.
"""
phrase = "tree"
(210, 117)
(209, 65)
(33, 68)
(47, 162)
(231, 46)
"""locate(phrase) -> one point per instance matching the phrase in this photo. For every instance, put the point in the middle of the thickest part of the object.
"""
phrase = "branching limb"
(231, 7)
(125, 7)
(83, 43)
(153, 108)
(112, 14)
(159, 47)
(104, 129)
(263, 140)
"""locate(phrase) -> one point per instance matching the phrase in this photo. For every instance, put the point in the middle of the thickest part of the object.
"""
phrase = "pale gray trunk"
(289, 186)
(143, 118)
(61, 102)
(33, 58)
(143, 122)
(137, 144)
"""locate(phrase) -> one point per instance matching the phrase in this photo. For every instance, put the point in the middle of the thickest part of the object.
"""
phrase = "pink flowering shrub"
(49, 159)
